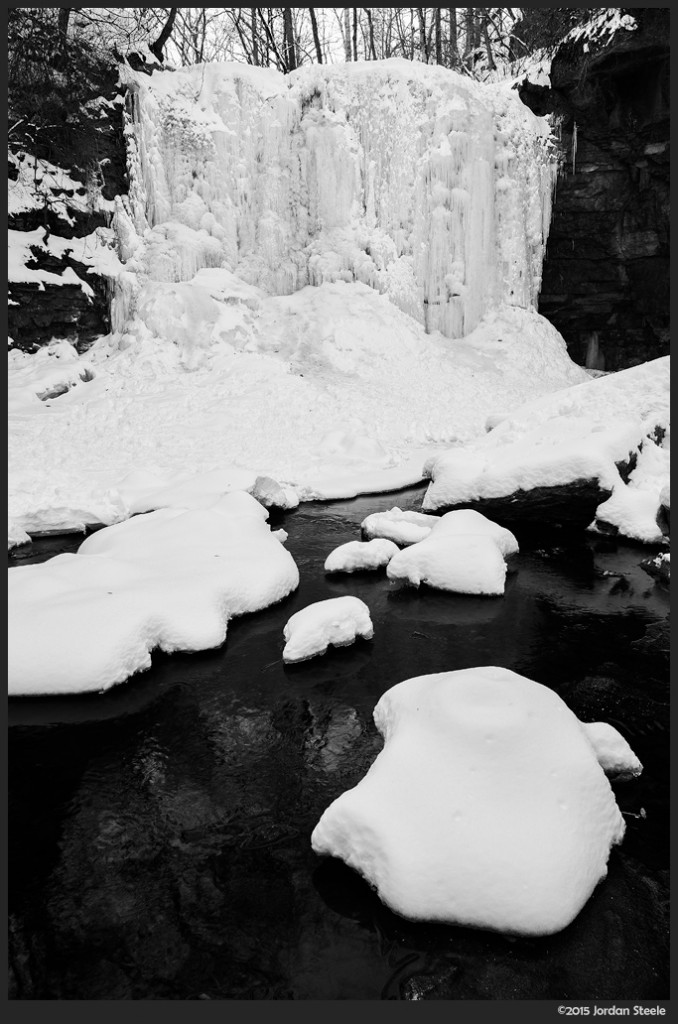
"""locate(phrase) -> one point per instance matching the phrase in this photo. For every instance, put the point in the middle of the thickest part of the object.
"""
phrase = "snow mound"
(580, 433)
(171, 580)
(464, 553)
(337, 623)
(402, 528)
(357, 555)
(487, 806)
(613, 752)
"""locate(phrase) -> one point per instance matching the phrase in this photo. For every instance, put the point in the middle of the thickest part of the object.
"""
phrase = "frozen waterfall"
(425, 185)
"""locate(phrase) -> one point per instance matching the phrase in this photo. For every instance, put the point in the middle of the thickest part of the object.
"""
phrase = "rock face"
(606, 274)
(74, 173)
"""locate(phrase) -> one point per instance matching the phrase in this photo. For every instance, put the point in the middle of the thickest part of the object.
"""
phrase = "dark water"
(160, 834)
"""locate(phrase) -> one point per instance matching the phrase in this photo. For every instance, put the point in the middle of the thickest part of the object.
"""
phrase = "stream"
(159, 834)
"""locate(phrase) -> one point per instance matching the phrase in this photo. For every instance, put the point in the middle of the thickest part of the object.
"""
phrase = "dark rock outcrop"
(36, 315)
(606, 275)
(88, 143)
(572, 506)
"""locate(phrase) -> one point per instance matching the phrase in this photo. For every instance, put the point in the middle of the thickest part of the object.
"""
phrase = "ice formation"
(357, 556)
(487, 806)
(582, 432)
(337, 622)
(171, 579)
(464, 553)
(412, 179)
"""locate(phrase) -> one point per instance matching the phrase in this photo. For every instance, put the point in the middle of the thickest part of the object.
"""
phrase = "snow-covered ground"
(332, 391)
(488, 805)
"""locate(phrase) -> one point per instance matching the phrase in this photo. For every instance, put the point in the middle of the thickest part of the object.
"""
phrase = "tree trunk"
(157, 47)
(347, 33)
(290, 46)
(439, 36)
(373, 49)
(454, 45)
(255, 36)
(316, 37)
(422, 33)
(64, 16)
(488, 46)
(355, 33)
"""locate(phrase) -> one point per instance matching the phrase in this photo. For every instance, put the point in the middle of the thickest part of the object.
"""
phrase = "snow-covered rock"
(487, 806)
(171, 579)
(658, 567)
(577, 436)
(613, 752)
(273, 495)
(337, 622)
(464, 522)
(358, 555)
(402, 528)
(464, 552)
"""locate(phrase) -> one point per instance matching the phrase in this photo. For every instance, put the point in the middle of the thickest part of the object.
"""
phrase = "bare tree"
(157, 47)
(347, 33)
(316, 37)
(439, 35)
(453, 41)
(370, 23)
(290, 44)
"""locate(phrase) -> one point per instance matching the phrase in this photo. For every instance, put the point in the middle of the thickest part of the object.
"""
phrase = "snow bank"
(582, 432)
(487, 806)
(464, 553)
(357, 556)
(402, 528)
(337, 623)
(170, 580)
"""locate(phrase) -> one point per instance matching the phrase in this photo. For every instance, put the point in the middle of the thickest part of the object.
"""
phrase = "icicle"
(574, 148)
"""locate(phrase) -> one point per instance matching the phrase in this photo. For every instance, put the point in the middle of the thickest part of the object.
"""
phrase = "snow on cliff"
(487, 807)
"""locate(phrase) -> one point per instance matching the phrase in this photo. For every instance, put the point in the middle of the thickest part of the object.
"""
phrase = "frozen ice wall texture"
(420, 183)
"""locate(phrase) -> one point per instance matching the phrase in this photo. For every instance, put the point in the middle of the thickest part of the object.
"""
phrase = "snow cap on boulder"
(336, 623)
(487, 807)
